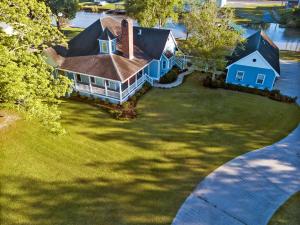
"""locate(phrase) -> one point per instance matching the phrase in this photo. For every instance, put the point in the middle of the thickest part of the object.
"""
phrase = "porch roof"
(114, 66)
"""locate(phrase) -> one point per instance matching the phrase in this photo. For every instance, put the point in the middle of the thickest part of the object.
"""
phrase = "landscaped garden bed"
(127, 110)
(219, 82)
(171, 76)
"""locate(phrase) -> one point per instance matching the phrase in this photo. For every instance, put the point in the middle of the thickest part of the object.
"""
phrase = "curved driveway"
(250, 188)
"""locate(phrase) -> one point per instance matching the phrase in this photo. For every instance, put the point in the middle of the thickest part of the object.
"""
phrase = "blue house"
(255, 63)
(112, 59)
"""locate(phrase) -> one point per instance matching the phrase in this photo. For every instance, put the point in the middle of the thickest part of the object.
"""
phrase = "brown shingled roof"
(83, 56)
(114, 67)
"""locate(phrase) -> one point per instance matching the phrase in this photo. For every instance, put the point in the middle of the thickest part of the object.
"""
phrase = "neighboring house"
(292, 3)
(255, 63)
(112, 59)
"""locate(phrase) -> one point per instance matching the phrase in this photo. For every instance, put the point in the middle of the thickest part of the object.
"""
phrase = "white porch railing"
(149, 79)
(91, 89)
(82, 87)
(98, 90)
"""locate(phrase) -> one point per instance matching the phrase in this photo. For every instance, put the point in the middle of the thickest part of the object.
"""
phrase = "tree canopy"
(212, 36)
(26, 81)
(150, 13)
(63, 9)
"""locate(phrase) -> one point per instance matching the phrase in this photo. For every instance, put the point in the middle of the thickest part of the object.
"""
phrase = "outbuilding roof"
(260, 42)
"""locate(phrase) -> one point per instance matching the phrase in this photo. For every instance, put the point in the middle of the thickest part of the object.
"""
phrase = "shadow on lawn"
(157, 184)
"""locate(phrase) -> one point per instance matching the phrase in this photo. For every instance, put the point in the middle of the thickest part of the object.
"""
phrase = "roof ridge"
(259, 40)
(266, 38)
(116, 68)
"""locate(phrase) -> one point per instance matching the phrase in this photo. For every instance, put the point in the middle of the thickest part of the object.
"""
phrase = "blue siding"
(168, 67)
(250, 76)
(154, 69)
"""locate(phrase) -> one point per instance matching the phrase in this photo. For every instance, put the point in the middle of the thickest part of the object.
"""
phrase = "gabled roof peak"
(107, 35)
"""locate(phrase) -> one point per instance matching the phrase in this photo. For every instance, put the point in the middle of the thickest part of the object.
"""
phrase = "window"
(78, 77)
(93, 80)
(104, 47)
(164, 65)
(140, 74)
(260, 78)
(239, 75)
(107, 83)
(113, 46)
(254, 60)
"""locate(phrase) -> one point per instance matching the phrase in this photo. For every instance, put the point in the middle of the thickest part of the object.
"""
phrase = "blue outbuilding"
(254, 63)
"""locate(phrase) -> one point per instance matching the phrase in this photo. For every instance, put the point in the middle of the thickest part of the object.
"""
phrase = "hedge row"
(274, 94)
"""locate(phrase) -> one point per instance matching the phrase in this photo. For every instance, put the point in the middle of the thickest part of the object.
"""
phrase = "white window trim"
(264, 75)
(166, 66)
(242, 75)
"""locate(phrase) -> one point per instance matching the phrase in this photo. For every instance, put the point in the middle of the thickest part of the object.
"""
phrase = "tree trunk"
(187, 35)
(58, 24)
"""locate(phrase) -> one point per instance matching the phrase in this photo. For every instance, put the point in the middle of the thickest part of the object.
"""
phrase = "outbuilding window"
(260, 78)
(239, 75)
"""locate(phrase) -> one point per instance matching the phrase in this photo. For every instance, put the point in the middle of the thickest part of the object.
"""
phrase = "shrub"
(220, 83)
(170, 77)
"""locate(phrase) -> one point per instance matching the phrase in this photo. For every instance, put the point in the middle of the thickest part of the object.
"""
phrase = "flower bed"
(220, 83)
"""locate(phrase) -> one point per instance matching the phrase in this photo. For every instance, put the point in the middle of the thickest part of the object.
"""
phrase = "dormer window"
(104, 48)
(107, 42)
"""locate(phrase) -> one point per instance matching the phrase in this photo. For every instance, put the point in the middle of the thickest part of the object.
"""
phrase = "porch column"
(120, 90)
(105, 86)
(75, 82)
(90, 85)
(136, 81)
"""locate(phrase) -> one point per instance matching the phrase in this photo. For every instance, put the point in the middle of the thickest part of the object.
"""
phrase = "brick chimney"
(127, 38)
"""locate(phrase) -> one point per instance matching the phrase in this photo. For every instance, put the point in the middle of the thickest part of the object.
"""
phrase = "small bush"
(170, 77)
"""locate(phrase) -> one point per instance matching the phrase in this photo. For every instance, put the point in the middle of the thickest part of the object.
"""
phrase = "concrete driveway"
(289, 81)
(248, 189)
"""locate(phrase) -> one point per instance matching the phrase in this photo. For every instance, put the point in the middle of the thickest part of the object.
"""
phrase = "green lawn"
(95, 7)
(134, 172)
(289, 213)
(255, 14)
(71, 32)
(290, 55)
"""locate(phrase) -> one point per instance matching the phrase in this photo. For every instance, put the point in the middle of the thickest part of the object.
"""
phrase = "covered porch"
(114, 91)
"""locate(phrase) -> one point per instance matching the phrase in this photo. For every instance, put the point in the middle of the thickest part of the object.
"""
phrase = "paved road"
(250, 188)
(289, 81)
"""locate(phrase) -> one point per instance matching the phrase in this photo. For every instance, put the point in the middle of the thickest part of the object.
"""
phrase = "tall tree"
(150, 13)
(63, 9)
(26, 81)
(212, 36)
